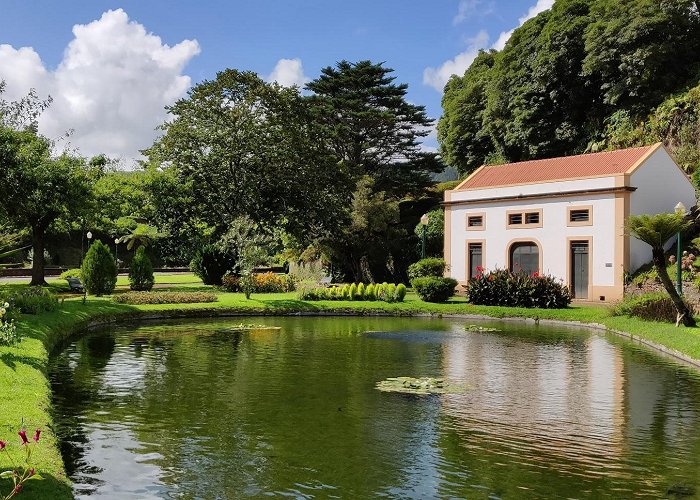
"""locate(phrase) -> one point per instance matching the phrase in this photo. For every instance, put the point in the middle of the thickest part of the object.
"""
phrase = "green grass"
(25, 392)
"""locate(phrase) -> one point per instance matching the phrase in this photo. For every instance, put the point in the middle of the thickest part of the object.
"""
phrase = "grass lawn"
(25, 392)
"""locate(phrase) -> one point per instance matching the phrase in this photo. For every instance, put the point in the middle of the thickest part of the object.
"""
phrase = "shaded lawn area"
(25, 391)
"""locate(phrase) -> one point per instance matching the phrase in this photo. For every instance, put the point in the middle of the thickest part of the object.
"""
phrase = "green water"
(189, 410)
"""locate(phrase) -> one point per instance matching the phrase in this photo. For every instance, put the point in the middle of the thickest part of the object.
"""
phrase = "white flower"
(6, 305)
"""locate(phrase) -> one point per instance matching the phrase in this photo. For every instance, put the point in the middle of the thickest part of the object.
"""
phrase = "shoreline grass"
(25, 392)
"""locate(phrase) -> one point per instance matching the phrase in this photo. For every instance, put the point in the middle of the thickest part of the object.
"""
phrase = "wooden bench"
(75, 285)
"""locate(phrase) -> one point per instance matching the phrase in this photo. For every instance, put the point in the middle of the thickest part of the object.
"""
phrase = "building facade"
(563, 217)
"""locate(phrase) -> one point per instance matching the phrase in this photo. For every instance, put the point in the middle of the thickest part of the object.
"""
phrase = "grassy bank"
(25, 392)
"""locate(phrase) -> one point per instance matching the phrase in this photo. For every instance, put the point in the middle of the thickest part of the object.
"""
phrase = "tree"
(99, 271)
(141, 271)
(38, 189)
(655, 231)
(434, 232)
(373, 129)
(244, 147)
(142, 236)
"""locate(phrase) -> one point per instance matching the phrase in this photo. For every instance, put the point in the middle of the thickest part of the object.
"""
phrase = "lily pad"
(477, 328)
(247, 328)
(422, 385)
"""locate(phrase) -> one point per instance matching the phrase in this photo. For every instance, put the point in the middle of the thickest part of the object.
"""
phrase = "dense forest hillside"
(587, 75)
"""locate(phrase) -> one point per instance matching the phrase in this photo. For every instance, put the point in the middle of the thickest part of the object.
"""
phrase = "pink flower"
(23, 435)
(36, 435)
(31, 472)
(3, 444)
(672, 259)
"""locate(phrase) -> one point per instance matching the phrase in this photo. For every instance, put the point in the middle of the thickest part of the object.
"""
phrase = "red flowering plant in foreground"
(502, 287)
(24, 473)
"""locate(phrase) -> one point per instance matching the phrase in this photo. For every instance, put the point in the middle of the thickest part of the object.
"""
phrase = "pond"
(196, 410)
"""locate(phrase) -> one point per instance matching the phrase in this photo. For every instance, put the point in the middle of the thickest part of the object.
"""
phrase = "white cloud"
(469, 7)
(110, 88)
(437, 77)
(289, 72)
(539, 7)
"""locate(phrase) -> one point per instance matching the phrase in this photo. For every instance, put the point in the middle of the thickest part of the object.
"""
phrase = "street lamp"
(116, 252)
(89, 237)
(423, 222)
(680, 210)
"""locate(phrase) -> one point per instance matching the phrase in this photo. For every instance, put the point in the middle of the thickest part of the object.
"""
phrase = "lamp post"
(680, 210)
(116, 253)
(423, 222)
(89, 237)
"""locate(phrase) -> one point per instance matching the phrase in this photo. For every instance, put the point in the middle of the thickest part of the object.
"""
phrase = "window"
(475, 222)
(475, 264)
(579, 216)
(525, 258)
(522, 219)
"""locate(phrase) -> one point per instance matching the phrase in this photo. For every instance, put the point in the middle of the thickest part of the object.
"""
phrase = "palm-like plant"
(142, 235)
(655, 231)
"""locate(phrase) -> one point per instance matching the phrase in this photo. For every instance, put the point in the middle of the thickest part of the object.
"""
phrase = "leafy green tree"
(373, 129)
(142, 236)
(37, 189)
(99, 271)
(141, 271)
(655, 231)
(434, 232)
(246, 147)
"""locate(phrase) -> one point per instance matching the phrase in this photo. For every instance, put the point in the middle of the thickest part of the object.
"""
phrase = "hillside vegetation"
(587, 75)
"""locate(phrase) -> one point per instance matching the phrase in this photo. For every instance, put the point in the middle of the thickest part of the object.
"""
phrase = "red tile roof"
(553, 169)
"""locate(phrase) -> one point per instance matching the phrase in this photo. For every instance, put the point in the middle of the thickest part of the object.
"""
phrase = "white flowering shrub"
(8, 328)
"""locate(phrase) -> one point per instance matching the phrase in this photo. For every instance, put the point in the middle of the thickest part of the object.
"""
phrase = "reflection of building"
(562, 399)
(562, 216)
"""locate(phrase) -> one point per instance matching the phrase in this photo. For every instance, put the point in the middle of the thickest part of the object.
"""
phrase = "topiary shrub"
(138, 298)
(352, 293)
(345, 292)
(370, 292)
(400, 292)
(99, 271)
(210, 264)
(649, 307)
(70, 273)
(390, 293)
(433, 288)
(141, 272)
(431, 266)
(361, 292)
(505, 288)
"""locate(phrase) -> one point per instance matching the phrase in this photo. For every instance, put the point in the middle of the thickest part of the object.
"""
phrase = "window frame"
(467, 270)
(482, 227)
(571, 223)
(523, 213)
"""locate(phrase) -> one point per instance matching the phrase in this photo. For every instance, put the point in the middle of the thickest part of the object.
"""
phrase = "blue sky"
(101, 81)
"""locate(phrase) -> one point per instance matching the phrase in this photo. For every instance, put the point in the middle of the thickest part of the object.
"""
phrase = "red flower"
(535, 274)
(478, 276)
(479, 269)
(23, 435)
(31, 472)
(36, 435)
(3, 444)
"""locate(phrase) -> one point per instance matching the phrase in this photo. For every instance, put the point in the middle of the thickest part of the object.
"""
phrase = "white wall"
(552, 236)
(660, 186)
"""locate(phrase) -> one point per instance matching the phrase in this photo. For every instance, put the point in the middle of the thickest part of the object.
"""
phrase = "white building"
(563, 217)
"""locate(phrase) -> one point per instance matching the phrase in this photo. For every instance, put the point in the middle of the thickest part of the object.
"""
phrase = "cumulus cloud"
(438, 77)
(539, 7)
(111, 87)
(289, 72)
(468, 7)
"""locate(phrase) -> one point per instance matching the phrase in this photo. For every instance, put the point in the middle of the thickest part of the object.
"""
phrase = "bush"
(400, 292)
(433, 288)
(345, 292)
(505, 288)
(210, 264)
(99, 271)
(140, 298)
(424, 268)
(71, 273)
(390, 293)
(8, 328)
(33, 300)
(352, 293)
(361, 292)
(141, 271)
(649, 307)
(231, 283)
(273, 283)
(370, 292)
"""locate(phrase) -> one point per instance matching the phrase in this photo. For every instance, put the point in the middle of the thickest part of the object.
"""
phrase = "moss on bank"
(25, 391)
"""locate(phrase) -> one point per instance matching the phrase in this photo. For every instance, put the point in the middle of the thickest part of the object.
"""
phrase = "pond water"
(192, 410)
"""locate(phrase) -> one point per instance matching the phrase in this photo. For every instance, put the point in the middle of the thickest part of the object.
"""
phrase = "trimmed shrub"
(99, 271)
(352, 293)
(431, 266)
(140, 298)
(390, 293)
(141, 271)
(378, 291)
(33, 300)
(433, 288)
(649, 307)
(370, 293)
(273, 283)
(505, 288)
(361, 292)
(345, 292)
(231, 283)
(400, 292)
(210, 264)
(70, 273)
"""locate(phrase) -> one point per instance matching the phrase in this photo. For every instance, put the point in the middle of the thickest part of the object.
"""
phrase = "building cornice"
(536, 196)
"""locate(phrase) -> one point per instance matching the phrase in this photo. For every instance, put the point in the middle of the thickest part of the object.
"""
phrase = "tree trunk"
(38, 260)
(660, 264)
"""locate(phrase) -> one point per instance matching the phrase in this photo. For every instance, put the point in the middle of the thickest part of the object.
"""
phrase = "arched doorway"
(524, 256)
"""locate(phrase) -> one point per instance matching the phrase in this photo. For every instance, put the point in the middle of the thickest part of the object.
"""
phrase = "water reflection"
(186, 409)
